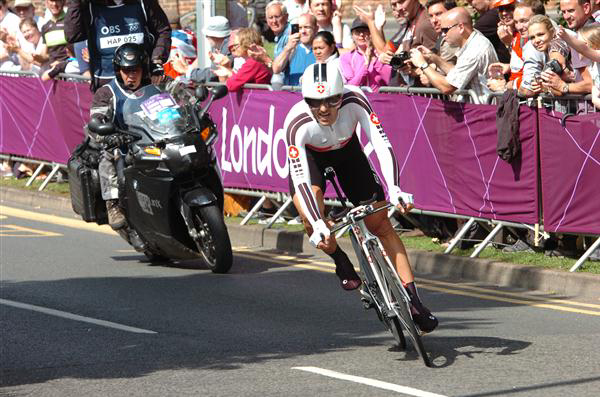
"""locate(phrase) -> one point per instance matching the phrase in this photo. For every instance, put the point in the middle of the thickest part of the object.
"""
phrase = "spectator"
(537, 53)
(487, 23)
(415, 30)
(589, 46)
(524, 11)
(435, 9)
(217, 32)
(506, 26)
(34, 56)
(330, 19)
(237, 14)
(183, 45)
(9, 28)
(298, 53)
(252, 71)
(324, 48)
(107, 24)
(277, 20)
(53, 33)
(25, 9)
(475, 54)
(577, 13)
(596, 10)
(68, 65)
(361, 66)
(295, 8)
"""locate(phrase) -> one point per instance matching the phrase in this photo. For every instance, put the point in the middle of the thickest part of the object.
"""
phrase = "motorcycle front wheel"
(212, 238)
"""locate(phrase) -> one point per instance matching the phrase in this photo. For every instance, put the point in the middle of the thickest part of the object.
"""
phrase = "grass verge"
(61, 189)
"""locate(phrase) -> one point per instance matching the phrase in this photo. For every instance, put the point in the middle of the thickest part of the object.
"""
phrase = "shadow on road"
(261, 312)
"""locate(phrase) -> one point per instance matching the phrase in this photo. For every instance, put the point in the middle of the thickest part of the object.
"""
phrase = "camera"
(398, 60)
(295, 28)
(554, 66)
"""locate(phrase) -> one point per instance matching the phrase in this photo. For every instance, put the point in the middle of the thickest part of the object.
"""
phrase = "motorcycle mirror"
(219, 91)
(98, 127)
(201, 93)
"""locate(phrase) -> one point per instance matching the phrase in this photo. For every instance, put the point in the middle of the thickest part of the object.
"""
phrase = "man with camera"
(577, 13)
(475, 55)
(415, 30)
(297, 54)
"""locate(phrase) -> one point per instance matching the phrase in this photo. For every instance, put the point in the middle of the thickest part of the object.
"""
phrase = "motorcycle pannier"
(84, 183)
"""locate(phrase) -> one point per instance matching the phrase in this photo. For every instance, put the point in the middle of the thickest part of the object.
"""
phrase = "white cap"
(322, 80)
(217, 26)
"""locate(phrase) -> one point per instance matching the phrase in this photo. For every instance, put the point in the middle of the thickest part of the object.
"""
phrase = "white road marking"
(75, 317)
(370, 382)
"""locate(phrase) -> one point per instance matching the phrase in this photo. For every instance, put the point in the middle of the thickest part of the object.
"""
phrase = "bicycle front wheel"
(400, 304)
(369, 284)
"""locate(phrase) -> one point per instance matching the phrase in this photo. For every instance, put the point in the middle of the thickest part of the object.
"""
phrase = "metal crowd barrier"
(565, 104)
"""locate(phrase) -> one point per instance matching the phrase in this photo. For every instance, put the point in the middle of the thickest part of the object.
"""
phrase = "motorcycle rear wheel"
(212, 240)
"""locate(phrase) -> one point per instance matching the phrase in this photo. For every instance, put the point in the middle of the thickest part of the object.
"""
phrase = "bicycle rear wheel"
(400, 304)
(369, 283)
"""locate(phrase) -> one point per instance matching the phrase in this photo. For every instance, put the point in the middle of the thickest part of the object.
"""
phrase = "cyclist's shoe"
(348, 277)
(423, 318)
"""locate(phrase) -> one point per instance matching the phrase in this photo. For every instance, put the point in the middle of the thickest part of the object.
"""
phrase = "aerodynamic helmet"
(322, 80)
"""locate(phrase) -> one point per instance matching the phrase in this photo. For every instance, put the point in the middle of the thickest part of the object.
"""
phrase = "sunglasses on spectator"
(233, 46)
(446, 30)
(332, 101)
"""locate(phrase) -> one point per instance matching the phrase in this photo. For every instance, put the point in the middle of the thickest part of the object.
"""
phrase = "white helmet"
(322, 80)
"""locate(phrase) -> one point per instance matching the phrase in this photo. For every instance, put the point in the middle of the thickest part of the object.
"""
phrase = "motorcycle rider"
(320, 132)
(130, 64)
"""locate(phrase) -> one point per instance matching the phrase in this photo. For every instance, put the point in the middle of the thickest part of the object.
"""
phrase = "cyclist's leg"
(343, 267)
(380, 225)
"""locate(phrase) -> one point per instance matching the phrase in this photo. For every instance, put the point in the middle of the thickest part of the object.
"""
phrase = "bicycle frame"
(364, 237)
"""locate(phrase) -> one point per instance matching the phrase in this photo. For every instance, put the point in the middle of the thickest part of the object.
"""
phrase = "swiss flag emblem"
(293, 152)
(321, 88)
(374, 119)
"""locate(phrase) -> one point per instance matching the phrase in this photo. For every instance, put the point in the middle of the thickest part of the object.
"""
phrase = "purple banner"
(570, 172)
(42, 120)
(446, 152)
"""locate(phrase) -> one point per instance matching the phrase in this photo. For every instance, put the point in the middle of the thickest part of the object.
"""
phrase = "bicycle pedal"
(367, 303)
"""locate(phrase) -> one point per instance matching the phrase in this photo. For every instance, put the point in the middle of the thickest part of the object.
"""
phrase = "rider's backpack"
(84, 183)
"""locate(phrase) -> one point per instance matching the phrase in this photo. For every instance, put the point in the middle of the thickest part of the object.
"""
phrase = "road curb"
(449, 266)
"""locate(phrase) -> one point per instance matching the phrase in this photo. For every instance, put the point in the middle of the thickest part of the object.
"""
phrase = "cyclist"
(320, 133)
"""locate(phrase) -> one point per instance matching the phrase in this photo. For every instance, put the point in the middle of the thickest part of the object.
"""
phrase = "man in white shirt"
(9, 30)
(476, 53)
(295, 8)
(331, 20)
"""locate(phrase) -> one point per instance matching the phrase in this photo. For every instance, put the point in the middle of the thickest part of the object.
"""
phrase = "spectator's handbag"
(84, 183)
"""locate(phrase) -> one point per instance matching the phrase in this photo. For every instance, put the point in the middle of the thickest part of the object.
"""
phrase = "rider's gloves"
(397, 196)
(157, 72)
(320, 231)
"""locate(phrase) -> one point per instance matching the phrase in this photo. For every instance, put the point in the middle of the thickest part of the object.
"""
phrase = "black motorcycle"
(169, 183)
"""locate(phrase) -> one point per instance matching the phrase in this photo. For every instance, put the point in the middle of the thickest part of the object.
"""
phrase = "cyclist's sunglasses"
(332, 101)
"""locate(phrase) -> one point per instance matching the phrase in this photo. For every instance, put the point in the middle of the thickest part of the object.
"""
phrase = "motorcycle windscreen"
(159, 113)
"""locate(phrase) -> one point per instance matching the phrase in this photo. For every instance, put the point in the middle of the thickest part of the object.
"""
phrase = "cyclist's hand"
(327, 244)
(403, 201)
(320, 234)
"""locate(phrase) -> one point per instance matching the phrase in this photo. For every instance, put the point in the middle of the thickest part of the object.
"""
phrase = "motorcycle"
(170, 185)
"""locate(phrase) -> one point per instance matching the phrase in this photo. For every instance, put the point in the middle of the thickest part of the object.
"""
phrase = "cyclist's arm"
(296, 135)
(371, 125)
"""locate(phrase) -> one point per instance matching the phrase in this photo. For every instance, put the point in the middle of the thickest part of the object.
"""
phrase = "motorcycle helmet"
(321, 81)
(130, 55)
